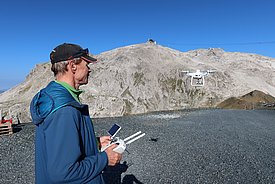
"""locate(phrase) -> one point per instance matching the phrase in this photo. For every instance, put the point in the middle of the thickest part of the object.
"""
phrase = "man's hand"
(104, 141)
(113, 157)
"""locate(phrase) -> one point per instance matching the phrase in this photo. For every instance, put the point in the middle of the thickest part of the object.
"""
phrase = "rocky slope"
(253, 100)
(146, 77)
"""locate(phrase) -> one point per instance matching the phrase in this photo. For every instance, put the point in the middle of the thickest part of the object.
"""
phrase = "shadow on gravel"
(112, 175)
(130, 179)
(17, 128)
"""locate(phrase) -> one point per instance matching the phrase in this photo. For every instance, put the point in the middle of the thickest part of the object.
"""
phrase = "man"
(66, 149)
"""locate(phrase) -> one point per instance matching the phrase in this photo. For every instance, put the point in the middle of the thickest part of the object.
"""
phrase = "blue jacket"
(66, 150)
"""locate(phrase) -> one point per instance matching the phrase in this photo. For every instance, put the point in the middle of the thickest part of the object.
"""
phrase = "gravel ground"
(200, 146)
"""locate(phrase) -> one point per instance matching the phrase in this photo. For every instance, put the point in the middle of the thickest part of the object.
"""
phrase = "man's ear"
(72, 66)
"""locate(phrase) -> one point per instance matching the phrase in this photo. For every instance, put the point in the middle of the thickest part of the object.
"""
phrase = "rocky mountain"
(147, 77)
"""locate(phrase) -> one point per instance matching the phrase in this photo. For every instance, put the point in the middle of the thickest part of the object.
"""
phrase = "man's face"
(82, 72)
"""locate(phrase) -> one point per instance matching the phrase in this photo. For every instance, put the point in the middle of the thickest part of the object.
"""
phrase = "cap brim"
(89, 59)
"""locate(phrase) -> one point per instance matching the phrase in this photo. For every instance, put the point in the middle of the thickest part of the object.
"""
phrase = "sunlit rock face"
(147, 77)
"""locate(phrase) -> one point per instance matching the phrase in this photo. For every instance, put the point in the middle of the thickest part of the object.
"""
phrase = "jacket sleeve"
(64, 159)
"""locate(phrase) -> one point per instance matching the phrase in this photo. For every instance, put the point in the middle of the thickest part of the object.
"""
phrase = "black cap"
(68, 51)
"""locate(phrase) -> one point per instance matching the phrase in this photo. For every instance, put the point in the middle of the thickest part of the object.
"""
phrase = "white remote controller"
(121, 146)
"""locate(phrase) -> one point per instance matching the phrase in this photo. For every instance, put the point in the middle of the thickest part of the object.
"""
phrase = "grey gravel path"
(200, 146)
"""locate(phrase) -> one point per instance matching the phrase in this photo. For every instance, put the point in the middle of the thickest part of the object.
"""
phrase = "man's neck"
(68, 80)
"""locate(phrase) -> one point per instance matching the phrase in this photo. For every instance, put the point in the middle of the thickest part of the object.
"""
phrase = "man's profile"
(66, 148)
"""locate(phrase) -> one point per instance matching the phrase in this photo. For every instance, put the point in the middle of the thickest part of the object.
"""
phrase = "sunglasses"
(81, 53)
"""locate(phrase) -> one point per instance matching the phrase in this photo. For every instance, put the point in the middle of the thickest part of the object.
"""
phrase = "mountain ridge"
(146, 77)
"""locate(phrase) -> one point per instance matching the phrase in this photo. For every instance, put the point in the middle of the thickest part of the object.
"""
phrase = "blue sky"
(31, 29)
